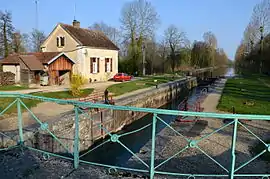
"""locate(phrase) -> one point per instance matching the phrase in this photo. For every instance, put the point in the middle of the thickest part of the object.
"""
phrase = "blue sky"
(227, 19)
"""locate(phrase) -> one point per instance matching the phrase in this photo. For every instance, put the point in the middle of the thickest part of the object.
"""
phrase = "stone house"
(95, 56)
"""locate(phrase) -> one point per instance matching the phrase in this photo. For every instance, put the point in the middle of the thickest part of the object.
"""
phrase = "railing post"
(152, 167)
(20, 122)
(76, 144)
(233, 148)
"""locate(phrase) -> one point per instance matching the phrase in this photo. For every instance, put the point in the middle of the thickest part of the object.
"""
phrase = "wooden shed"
(30, 68)
(27, 67)
(60, 69)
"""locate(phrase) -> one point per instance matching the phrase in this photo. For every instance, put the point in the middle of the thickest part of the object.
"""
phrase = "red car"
(122, 77)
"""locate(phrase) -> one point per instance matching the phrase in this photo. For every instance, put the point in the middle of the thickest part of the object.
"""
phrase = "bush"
(76, 83)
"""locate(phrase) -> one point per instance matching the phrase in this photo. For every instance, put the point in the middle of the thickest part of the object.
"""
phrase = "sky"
(227, 19)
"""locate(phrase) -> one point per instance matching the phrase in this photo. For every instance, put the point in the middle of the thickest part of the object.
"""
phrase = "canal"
(115, 154)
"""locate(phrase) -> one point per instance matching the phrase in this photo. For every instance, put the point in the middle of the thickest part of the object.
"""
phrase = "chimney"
(76, 23)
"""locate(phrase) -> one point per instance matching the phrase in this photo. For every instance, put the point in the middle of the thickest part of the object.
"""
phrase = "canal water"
(115, 154)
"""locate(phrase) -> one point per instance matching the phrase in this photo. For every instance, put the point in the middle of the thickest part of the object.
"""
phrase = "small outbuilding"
(29, 66)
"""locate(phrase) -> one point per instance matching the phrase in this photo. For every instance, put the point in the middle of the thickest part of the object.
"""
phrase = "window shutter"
(91, 65)
(111, 64)
(62, 39)
(105, 64)
(57, 41)
(98, 65)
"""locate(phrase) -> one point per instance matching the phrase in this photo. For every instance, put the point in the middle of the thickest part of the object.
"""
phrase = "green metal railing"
(151, 168)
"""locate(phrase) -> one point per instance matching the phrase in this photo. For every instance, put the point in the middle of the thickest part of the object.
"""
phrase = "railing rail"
(151, 168)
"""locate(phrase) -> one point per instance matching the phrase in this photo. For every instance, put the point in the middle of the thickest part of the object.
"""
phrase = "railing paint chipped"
(152, 168)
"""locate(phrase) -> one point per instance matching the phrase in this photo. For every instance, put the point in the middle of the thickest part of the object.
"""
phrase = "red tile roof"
(92, 38)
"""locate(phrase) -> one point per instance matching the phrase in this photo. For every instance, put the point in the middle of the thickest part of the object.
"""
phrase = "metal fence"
(151, 168)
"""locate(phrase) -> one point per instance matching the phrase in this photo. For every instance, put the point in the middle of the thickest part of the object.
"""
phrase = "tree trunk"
(173, 58)
(5, 39)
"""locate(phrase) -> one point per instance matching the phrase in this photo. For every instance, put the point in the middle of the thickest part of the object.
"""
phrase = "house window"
(108, 65)
(60, 41)
(94, 65)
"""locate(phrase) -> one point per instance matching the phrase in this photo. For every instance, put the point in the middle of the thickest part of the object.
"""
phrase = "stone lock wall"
(91, 130)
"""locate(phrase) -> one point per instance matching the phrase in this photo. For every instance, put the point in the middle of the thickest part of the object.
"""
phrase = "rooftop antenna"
(74, 10)
(36, 3)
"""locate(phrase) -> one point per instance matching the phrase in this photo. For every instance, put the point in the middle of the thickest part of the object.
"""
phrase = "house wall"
(70, 44)
(83, 65)
(13, 69)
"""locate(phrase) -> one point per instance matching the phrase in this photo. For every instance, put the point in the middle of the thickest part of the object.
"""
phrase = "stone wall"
(111, 121)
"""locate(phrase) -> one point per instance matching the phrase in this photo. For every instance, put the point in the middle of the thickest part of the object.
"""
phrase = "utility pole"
(143, 59)
(261, 49)
(36, 2)
(74, 10)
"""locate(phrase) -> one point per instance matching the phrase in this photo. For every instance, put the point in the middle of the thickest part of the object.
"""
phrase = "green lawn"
(13, 88)
(122, 88)
(248, 95)
(4, 102)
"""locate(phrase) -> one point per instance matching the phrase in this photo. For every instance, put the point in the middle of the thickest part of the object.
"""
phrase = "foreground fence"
(152, 167)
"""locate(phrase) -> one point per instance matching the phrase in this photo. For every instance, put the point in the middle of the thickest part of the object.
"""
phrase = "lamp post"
(143, 59)
(261, 48)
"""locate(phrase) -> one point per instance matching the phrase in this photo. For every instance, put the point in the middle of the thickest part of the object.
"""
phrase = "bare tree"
(37, 38)
(261, 23)
(210, 38)
(111, 32)
(139, 21)
(261, 16)
(6, 32)
(250, 37)
(19, 42)
(174, 40)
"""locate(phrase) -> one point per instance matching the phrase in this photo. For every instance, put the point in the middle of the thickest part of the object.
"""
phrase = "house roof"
(57, 56)
(91, 38)
(31, 62)
(11, 59)
(43, 57)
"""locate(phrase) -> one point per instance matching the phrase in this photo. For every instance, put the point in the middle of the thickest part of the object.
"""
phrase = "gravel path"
(31, 165)
(217, 146)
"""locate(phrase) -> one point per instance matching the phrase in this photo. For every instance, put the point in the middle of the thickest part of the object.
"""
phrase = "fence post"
(152, 167)
(20, 122)
(76, 144)
(233, 148)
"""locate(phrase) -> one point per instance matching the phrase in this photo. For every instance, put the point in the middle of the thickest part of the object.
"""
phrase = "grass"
(122, 88)
(248, 95)
(4, 102)
(13, 88)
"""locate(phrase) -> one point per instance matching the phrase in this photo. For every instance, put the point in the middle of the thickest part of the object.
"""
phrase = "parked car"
(122, 77)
